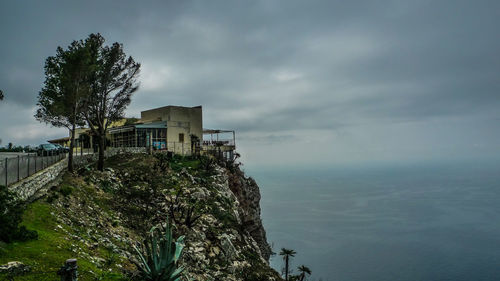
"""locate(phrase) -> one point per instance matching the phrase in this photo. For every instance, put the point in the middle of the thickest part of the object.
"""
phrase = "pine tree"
(61, 100)
(113, 82)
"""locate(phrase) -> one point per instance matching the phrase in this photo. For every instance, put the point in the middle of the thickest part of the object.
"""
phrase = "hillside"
(96, 217)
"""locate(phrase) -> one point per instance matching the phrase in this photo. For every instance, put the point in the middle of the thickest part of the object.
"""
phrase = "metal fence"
(80, 151)
(14, 169)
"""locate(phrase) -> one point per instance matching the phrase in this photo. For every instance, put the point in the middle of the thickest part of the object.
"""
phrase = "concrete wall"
(180, 120)
(184, 116)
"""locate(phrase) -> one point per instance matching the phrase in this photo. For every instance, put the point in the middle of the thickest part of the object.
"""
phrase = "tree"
(61, 100)
(287, 253)
(113, 82)
(303, 271)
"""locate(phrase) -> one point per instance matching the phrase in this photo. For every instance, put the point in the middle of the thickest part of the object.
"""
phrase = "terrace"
(220, 143)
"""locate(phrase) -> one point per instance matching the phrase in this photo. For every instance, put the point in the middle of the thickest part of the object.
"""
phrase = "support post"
(6, 170)
(18, 167)
(69, 271)
(28, 165)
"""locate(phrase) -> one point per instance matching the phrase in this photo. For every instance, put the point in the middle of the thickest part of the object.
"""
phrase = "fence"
(79, 151)
(181, 148)
(14, 169)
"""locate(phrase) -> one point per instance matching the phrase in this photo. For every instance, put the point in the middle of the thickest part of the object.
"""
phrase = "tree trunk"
(302, 276)
(71, 147)
(100, 161)
(286, 268)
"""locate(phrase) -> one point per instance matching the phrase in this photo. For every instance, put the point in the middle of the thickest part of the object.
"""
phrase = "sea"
(424, 221)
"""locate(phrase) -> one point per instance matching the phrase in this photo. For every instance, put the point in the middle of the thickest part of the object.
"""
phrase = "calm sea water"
(431, 222)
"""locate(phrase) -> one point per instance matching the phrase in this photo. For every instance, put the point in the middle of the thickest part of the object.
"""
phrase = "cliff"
(96, 217)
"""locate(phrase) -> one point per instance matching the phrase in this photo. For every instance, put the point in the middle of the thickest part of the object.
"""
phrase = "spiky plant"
(159, 255)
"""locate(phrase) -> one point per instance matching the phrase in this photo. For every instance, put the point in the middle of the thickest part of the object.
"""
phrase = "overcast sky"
(306, 82)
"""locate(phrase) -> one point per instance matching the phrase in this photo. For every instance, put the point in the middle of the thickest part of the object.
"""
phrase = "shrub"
(10, 216)
(66, 190)
(52, 197)
(159, 255)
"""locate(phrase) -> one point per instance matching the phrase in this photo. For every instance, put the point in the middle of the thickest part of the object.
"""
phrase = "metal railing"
(79, 151)
(218, 142)
(181, 148)
(14, 169)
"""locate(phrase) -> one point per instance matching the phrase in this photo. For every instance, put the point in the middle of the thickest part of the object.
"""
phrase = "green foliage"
(66, 190)
(303, 271)
(184, 213)
(258, 271)
(66, 87)
(113, 81)
(60, 102)
(17, 148)
(207, 164)
(159, 255)
(10, 218)
(287, 254)
(51, 197)
(131, 121)
(51, 249)
(106, 185)
(178, 162)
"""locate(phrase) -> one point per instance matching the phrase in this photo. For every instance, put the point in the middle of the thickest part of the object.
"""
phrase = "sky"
(302, 82)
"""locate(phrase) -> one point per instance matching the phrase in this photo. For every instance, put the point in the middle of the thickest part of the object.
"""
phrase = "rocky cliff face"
(216, 208)
(247, 192)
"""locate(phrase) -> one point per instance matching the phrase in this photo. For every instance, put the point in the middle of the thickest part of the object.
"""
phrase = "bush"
(66, 190)
(10, 217)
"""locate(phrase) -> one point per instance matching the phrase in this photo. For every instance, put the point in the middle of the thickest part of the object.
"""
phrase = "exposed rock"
(14, 268)
(248, 193)
(112, 210)
(228, 247)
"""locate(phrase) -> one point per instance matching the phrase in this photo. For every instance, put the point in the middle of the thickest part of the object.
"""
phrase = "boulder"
(14, 268)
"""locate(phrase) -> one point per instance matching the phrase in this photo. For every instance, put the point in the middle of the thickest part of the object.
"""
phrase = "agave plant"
(159, 255)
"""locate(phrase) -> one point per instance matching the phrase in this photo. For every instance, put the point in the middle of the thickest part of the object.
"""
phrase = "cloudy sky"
(329, 82)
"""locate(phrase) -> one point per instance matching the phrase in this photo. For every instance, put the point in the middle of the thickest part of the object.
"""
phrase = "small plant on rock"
(159, 254)
(182, 213)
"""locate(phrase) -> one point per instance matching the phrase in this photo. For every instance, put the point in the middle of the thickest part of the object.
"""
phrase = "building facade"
(174, 128)
(177, 129)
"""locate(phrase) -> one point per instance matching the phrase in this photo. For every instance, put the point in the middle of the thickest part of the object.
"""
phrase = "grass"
(179, 162)
(49, 252)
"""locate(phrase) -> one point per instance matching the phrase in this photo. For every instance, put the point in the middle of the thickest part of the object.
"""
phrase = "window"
(181, 137)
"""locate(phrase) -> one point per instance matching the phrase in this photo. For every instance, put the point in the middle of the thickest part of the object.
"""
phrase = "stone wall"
(111, 151)
(37, 183)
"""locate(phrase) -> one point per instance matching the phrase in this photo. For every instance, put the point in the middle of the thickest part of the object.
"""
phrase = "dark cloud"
(278, 71)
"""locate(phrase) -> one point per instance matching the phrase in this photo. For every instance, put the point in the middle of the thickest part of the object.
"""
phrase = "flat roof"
(216, 131)
(59, 140)
(129, 128)
(171, 106)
